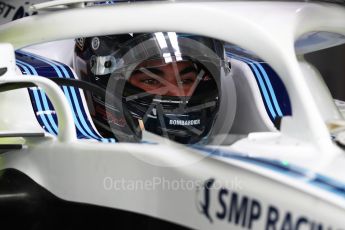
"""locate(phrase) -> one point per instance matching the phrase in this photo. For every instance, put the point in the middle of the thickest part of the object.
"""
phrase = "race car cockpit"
(187, 88)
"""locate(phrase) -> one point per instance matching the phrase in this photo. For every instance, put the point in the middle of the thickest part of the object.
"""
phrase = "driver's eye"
(187, 81)
(150, 81)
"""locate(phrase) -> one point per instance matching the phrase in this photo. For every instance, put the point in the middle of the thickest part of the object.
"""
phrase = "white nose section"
(7, 60)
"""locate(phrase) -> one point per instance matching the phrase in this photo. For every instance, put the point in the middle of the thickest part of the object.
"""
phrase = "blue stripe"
(42, 95)
(77, 105)
(38, 103)
(65, 89)
(76, 99)
(41, 118)
(268, 82)
(270, 88)
(261, 83)
(319, 181)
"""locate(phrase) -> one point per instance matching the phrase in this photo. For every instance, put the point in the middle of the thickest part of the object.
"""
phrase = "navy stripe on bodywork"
(48, 68)
(272, 89)
(34, 104)
(42, 110)
(55, 71)
(279, 90)
(316, 180)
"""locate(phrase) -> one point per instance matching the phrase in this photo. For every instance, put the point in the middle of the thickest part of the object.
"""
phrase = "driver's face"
(173, 79)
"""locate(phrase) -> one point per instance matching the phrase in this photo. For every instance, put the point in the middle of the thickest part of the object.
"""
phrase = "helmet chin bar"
(173, 118)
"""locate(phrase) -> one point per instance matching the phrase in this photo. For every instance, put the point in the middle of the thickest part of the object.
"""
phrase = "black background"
(331, 64)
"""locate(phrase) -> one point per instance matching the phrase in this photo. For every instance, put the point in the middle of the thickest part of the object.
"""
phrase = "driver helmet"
(166, 83)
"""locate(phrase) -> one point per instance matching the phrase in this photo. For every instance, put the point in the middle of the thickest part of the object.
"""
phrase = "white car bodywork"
(288, 179)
